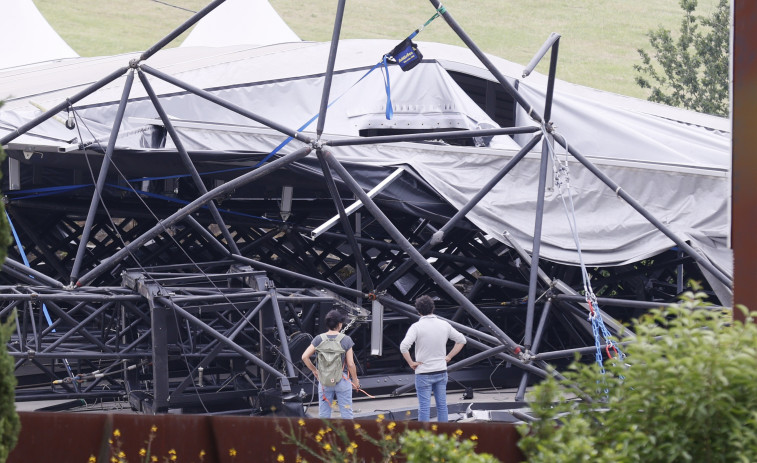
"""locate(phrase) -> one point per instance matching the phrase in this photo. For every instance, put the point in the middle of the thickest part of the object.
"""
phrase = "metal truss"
(208, 306)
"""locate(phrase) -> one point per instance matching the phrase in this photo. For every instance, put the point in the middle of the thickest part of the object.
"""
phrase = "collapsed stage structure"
(184, 218)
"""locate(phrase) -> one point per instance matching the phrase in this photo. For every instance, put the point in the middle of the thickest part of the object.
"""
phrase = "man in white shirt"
(430, 335)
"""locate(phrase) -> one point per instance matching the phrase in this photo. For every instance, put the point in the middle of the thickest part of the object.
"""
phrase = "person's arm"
(351, 368)
(459, 341)
(455, 349)
(306, 359)
(413, 364)
(405, 347)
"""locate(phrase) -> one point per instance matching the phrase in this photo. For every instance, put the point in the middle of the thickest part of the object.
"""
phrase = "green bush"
(425, 446)
(9, 422)
(687, 391)
(10, 425)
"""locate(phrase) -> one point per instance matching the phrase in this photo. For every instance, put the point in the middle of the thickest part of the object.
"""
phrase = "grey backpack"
(329, 359)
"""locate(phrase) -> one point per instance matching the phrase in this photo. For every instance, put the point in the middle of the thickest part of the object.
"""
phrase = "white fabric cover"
(675, 163)
(28, 38)
(240, 22)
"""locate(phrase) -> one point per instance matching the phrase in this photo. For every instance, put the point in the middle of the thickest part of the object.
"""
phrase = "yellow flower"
(458, 432)
(92, 459)
(380, 418)
(350, 450)
(318, 438)
(391, 425)
(388, 437)
(142, 452)
(301, 422)
(154, 428)
(298, 459)
(321, 432)
(202, 453)
(121, 454)
(327, 446)
(110, 441)
(353, 445)
(407, 413)
(232, 452)
(474, 437)
(153, 458)
(113, 460)
(357, 426)
(117, 433)
(172, 452)
(329, 429)
(173, 457)
(280, 458)
(392, 453)
(434, 427)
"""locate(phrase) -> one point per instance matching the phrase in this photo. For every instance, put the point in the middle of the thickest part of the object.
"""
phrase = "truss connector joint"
(437, 237)
(30, 354)
(525, 356)
(134, 63)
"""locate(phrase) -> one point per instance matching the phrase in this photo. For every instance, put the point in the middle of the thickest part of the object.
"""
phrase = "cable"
(174, 6)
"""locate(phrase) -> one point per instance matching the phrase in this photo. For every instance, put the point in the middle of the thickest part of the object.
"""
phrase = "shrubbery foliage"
(687, 391)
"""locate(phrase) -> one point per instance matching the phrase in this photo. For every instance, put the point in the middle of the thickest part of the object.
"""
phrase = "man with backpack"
(430, 335)
(334, 351)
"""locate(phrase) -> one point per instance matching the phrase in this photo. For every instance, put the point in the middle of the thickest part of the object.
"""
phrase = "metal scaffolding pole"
(100, 183)
(180, 30)
(533, 277)
(225, 104)
(330, 68)
(486, 62)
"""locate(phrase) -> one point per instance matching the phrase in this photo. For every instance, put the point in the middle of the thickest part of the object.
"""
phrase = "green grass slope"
(597, 49)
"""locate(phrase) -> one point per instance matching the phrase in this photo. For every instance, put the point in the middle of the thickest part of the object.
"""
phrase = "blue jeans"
(343, 394)
(424, 385)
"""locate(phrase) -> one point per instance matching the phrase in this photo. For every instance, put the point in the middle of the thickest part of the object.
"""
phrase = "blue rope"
(385, 74)
(26, 262)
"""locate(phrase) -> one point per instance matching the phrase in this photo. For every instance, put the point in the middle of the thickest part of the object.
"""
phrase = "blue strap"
(26, 262)
(385, 73)
(315, 117)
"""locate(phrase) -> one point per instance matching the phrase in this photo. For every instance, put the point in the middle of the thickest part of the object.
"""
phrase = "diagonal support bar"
(61, 106)
(197, 180)
(408, 248)
(97, 195)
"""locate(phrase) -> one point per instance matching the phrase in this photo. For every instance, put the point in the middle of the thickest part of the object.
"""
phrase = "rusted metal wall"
(71, 437)
(744, 222)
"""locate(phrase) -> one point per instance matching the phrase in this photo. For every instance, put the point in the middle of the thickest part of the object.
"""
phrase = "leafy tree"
(691, 71)
(687, 391)
(10, 424)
